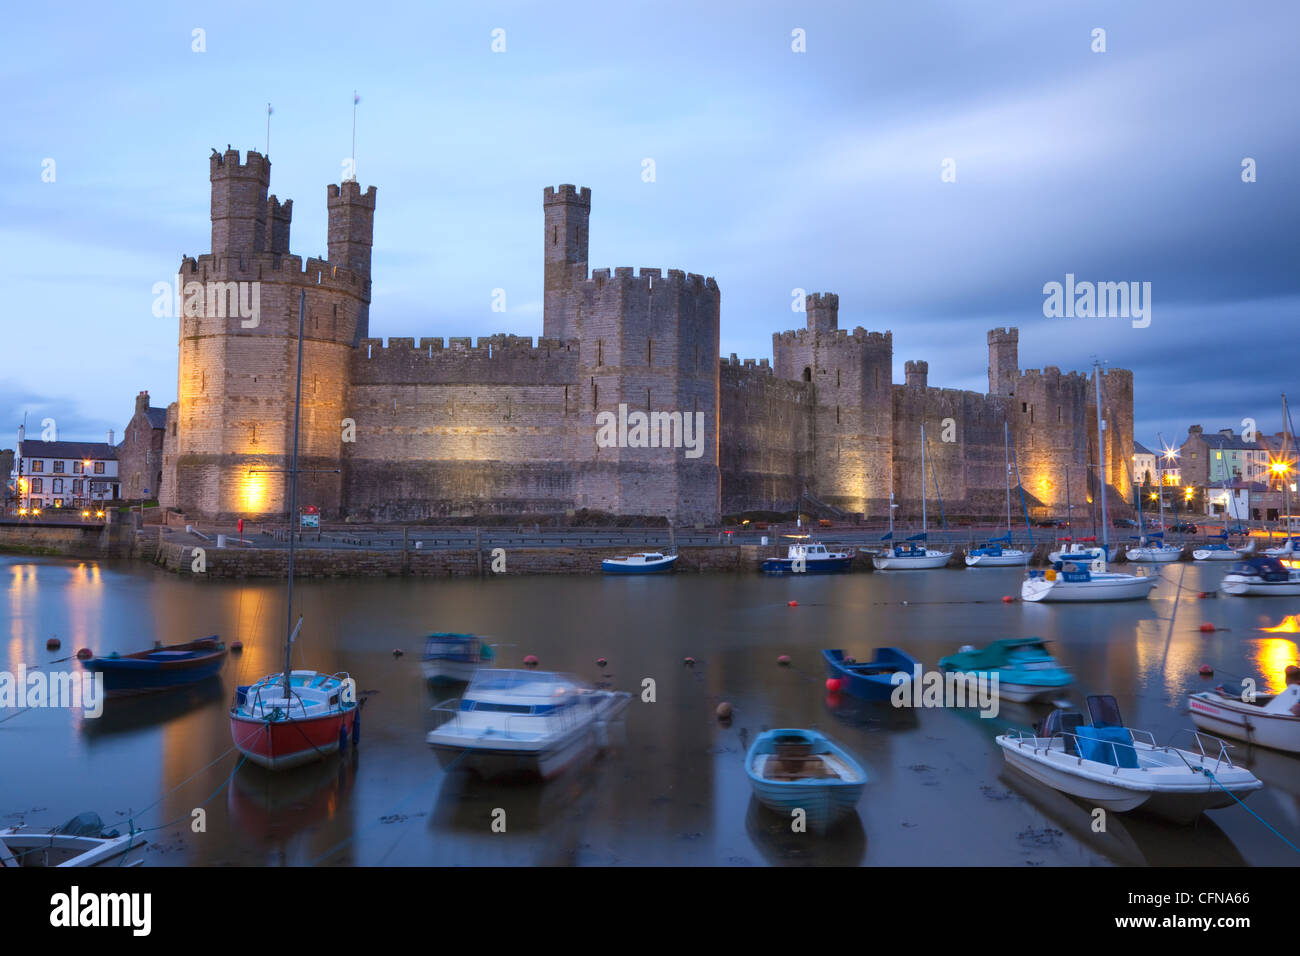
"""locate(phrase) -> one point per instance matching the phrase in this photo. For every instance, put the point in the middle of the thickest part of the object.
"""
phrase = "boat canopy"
(916, 537)
(1002, 537)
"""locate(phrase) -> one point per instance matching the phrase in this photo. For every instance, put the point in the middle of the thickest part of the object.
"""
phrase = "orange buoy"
(784, 660)
(1206, 670)
(530, 661)
(1207, 628)
(52, 644)
(791, 603)
(85, 654)
(236, 646)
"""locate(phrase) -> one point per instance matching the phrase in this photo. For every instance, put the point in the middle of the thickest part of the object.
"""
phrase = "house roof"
(1141, 449)
(157, 417)
(1221, 442)
(94, 450)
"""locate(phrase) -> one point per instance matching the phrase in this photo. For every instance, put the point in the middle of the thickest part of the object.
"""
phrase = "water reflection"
(771, 832)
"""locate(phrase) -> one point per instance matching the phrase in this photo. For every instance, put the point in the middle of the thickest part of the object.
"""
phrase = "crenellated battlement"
(349, 193)
(1052, 374)
(271, 267)
(566, 193)
(492, 360)
(501, 346)
(859, 336)
(650, 279)
(228, 163)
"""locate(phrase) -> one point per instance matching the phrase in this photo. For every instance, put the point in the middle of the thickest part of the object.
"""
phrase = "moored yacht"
(523, 722)
(1262, 576)
(809, 557)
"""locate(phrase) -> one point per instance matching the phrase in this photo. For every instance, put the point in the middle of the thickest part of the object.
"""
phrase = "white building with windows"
(50, 476)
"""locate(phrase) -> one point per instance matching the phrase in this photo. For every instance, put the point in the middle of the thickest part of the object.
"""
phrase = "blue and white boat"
(1220, 550)
(794, 769)
(644, 562)
(992, 555)
(873, 679)
(1024, 669)
(165, 667)
(1068, 581)
(455, 657)
(809, 557)
(1151, 549)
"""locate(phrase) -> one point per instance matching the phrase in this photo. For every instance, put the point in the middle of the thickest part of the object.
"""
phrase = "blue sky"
(774, 171)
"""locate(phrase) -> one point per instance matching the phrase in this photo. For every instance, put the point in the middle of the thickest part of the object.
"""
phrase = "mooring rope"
(1248, 810)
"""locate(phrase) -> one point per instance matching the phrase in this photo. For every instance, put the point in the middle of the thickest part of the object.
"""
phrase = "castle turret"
(1004, 361)
(917, 373)
(823, 310)
(278, 218)
(238, 202)
(351, 233)
(567, 213)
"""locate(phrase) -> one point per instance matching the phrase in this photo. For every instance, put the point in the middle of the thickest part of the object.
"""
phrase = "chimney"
(141, 403)
(110, 436)
(1194, 430)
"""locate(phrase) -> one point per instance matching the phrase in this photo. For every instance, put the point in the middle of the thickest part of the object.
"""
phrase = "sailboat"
(1280, 467)
(1220, 550)
(1074, 581)
(296, 716)
(1079, 548)
(991, 554)
(1151, 547)
(912, 554)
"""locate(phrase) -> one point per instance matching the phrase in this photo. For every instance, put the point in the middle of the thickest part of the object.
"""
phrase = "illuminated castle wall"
(405, 429)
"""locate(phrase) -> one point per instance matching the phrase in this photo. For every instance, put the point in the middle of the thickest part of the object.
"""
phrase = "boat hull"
(285, 743)
(1231, 718)
(449, 671)
(1216, 554)
(1246, 587)
(870, 686)
(162, 669)
(655, 567)
(1007, 559)
(823, 806)
(1098, 589)
(1154, 555)
(925, 562)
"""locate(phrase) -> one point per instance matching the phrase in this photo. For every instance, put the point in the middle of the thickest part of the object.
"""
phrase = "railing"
(277, 681)
(565, 718)
(1022, 736)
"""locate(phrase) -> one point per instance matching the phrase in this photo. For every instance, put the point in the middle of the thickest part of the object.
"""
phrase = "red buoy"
(688, 661)
(791, 603)
(1008, 599)
(1203, 595)
(1206, 670)
(236, 646)
(601, 662)
(1207, 628)
(398, 652)
(833, 684)
(85, 654)
(52, 644)
(784, 660)
(530, 661)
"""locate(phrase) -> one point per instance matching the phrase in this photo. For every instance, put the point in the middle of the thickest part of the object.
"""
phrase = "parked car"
(1184, 528)
(1124, 523)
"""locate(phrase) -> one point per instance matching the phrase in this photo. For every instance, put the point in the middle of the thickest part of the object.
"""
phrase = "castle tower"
(351, 233)
(1004, 367)
(238, 202)
(917, 373)
(823, 309)
(567, 211)
(238, 330)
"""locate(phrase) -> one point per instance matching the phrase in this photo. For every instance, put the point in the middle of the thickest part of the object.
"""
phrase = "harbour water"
(672, 788)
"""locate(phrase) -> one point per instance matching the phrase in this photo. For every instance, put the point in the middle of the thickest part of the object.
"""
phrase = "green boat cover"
(997, 654)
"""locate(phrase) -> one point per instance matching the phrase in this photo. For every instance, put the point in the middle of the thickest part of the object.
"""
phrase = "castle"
(406, 430)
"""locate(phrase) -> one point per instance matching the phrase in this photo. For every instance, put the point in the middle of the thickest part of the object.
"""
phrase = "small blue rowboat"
(870, 680)
(793, 770)
(647, 562)
(160, 669)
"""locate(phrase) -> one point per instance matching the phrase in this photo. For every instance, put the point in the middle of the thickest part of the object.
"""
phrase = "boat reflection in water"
(771, 833)
(870, 715)
(124, 715)
(1128, 839)
(272, 808)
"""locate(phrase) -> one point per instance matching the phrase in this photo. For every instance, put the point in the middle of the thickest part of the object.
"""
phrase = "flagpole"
(268, 130)
(355, 100)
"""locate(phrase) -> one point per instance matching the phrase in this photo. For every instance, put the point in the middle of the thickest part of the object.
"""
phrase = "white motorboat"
(82, 841)
(1069, 581)
(455, 657)
(644, 562)
(1120, 769)
(1270, 720)
(1264, 575)
(532, 723)
(809, 557)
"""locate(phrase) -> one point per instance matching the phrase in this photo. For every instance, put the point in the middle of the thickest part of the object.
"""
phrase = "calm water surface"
(673, 789)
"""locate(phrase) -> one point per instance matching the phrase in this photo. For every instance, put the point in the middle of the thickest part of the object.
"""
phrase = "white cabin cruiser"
(1105, 764)
(1070, 581)
(1262, 576)
(1270, 720)
(809, 557)
(910, 556)
(82, 841)
(532, 723)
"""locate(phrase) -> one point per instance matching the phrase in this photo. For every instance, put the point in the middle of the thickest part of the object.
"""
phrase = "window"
(1024, 407)
(37, 486)
(1218, 455)
(58, 467)
(77, 468)
(57, 486)
(38, 465)
(99, 467)
(807, 373)
(76, 486)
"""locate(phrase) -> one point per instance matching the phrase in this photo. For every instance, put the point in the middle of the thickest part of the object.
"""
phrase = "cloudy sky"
(774, 170)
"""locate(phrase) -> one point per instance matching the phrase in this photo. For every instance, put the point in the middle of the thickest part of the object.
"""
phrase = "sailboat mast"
(293, 495)
(1101, 460)
(923, 521)
(1006, 454)
(1286, 485)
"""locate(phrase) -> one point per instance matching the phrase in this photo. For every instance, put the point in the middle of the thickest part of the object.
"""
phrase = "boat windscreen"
(1104, 711)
